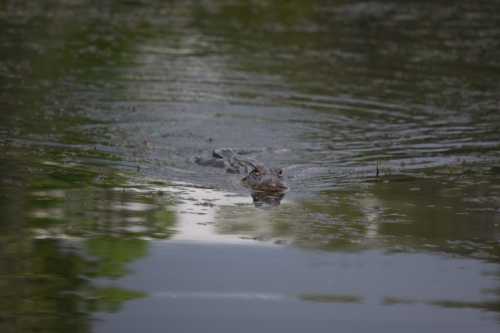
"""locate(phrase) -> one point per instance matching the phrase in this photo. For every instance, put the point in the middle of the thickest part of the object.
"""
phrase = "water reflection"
(121, 216)
(197, 212)
(104, 208)
(262, 199)
(370, 216)
(409, 215)
(54, 247)
(46, 285)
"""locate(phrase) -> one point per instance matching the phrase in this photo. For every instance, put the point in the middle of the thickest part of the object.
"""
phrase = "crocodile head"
(266, 180)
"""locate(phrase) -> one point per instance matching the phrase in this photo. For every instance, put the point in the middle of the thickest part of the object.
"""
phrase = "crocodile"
(266, 184)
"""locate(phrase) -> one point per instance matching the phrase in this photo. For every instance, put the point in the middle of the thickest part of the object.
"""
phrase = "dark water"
(107, 224)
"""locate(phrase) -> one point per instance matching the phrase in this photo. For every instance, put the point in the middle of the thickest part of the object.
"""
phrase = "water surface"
(384, 116)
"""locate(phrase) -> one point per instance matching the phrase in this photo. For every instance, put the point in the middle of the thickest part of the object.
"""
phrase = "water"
(108, 225)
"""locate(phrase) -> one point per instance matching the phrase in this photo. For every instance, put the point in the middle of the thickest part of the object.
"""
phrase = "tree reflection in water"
(51, 249)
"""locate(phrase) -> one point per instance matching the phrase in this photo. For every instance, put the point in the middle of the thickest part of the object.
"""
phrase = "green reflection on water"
(114, 253)
(45, 272)
(45, 286)
(111, 299)
(393, 214)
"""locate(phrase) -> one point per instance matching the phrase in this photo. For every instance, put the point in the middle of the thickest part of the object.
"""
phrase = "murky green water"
(108, 225)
